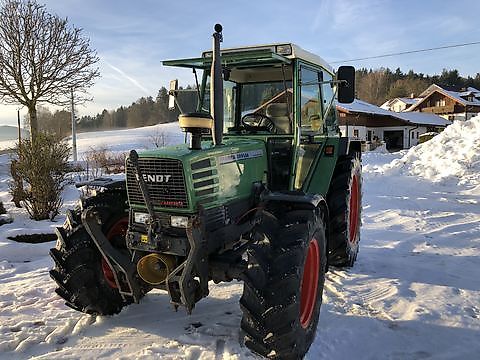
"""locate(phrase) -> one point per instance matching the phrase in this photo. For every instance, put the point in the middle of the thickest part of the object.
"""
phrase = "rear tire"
(284, 285)
(80, 273)
(345, 206)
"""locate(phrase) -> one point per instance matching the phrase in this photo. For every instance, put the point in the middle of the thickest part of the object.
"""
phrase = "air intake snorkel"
(216, 87)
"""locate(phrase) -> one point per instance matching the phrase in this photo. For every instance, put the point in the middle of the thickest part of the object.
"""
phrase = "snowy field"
(7, 144)
(413, 293)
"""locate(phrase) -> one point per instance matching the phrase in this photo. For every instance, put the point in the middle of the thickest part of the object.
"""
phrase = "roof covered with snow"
(422, 118)
(414, 118)
(360, 106)
(408, 101)
(459, 95)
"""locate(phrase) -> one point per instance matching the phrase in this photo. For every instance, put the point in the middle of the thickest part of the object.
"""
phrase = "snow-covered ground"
(121, 140)
(413, 293)
(7, 144)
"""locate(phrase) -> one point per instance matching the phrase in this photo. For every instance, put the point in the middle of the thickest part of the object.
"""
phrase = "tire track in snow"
(354, 302)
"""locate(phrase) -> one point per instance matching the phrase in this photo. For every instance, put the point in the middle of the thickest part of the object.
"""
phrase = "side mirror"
(172, 94)
(346, 86)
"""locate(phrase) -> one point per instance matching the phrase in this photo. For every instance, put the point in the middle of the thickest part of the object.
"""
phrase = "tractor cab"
(278, 93)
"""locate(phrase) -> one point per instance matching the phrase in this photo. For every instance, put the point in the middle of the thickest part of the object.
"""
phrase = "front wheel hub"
(309, 286)
(119, 229)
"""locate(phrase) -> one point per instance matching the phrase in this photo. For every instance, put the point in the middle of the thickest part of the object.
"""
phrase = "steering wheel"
(258, 122)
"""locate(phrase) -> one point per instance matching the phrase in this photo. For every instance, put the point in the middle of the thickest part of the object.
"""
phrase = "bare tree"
(41, 58)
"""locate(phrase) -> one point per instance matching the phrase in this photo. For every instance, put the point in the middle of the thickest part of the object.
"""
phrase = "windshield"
(259, 106)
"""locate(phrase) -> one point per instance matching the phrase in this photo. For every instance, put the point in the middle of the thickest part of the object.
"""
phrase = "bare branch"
(41, 57)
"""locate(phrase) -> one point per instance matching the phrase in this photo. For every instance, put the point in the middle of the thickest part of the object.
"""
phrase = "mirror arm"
(174, 93)
(196, 83)
(330, 104)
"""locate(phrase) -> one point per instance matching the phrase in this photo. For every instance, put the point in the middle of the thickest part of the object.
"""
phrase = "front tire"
(284, 285)
(83, 277)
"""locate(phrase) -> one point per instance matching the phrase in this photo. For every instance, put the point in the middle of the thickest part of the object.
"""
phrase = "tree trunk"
(32, 113)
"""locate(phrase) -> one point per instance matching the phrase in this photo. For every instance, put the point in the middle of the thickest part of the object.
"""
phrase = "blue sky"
(132, 37)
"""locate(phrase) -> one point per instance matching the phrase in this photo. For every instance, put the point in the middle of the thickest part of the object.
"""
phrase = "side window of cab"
(329, 112)
(311, 119)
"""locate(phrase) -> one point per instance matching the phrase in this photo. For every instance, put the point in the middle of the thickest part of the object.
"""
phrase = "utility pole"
(74, 132)
(19, 130)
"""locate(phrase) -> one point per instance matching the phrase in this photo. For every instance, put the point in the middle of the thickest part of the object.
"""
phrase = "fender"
(298, 197)
(348, 146)
(105, 183)
(314, 201)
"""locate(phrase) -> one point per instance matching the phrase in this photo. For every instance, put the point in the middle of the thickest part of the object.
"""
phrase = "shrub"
(100, 161)
(2, 209)
(158, 139)
(43, 166)
(16, 185)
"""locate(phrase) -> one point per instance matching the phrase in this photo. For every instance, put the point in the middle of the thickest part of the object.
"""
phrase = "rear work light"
(284, 50)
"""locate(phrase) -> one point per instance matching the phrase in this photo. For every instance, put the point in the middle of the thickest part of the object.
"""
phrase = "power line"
(407, 52)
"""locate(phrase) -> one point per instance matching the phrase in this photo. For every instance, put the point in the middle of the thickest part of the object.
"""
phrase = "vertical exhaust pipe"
(216, 87)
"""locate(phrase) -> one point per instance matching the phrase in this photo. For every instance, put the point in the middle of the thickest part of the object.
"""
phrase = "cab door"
(316, 122)
(309, 121)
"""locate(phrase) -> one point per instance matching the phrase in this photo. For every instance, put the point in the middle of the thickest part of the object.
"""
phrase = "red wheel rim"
(118, 229)
(308, 294)
(354, 210)
(108, 274)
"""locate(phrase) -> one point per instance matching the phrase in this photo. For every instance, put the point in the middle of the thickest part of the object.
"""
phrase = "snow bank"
(452, 156)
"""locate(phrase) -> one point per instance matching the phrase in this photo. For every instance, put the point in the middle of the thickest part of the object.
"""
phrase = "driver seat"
(278, 113)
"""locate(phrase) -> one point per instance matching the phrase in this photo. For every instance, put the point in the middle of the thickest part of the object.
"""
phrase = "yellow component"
(194, 122)
(144, 238)
(154, 268)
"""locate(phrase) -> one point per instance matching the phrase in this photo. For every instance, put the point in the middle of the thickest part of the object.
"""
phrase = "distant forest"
(377, 86)
(143, 112)
(373, 86)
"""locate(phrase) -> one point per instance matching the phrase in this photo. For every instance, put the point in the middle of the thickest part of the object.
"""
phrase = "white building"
(400, 104)
(399, 130)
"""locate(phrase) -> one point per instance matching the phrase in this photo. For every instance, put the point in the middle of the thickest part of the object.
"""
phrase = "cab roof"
(257, 55)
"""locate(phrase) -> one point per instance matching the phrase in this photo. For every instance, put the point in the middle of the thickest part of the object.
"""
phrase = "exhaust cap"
(154, 268)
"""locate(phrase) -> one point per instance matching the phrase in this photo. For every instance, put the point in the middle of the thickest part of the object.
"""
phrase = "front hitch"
(183, 288)
(124, 271)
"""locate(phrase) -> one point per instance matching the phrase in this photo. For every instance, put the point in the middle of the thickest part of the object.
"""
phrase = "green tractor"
(265, 191)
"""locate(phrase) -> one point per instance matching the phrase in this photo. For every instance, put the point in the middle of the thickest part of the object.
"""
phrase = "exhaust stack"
(216, 87)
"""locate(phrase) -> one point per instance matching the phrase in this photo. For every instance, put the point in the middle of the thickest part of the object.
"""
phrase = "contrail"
(129, 78)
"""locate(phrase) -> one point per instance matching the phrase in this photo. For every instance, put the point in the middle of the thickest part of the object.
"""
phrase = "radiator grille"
(171, 194)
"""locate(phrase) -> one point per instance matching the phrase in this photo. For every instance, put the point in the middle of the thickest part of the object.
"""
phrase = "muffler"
(154, 268)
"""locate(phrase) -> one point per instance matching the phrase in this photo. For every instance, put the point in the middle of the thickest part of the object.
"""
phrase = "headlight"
(179, 221)
(140, 218)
